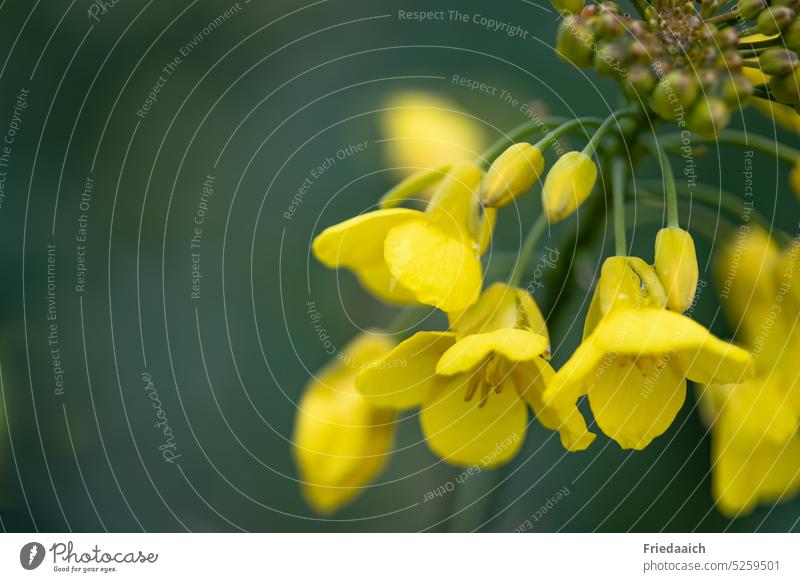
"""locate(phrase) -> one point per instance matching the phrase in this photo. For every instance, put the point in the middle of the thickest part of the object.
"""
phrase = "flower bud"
(750, 8)
(794, 178)
(737, 90)
(773, 20)
(608, 58)
(676, 267)
(791, 35)
(708, 7)
(571, 6)
(708, 117)
(568, 183)
(676, 91)
(786, 89)
(778, 61)
(627, 283)
(511, 174)
(641, 81)
(574, 41)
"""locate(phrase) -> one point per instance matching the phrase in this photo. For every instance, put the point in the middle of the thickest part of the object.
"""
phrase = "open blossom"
(409, 256)
(634, 363)
(475, 383)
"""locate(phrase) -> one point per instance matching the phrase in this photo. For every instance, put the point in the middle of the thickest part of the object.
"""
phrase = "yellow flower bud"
(341, 441)
(676, 266)
(567, 185)
(511, 174)
(627, 283)
(794, 179)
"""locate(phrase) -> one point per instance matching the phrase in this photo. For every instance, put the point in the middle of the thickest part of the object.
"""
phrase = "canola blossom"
(476, 384)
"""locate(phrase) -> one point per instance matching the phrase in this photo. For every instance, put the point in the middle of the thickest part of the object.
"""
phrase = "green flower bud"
(750, 8)
(609, 59)
(791, 35)
(574, 41)
(571, 6)
(708, 117)
(675, 91)
(778, 61)
(641, 81)
(737, 90)
(708, 7)
(785, 89)
(511, 174)
(607, 25)
(774, 19)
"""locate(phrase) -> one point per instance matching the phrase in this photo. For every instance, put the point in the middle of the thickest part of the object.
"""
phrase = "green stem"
(605, 126)
(724, 17)
(528, 246)
(564, 126)
(669, 182)
(618, 179)
(744, 139)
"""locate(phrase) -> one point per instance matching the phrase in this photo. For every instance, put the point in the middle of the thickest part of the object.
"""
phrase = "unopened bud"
(773, 20)
(676, 92)
(791, 35)
(778, 61)
(676, 266)
(708, 117)
(608, 59)
(568, 183)
(574, 41)
(737, 90)
(511, 174)
(641, 81)
(750, 8)
(786, 89)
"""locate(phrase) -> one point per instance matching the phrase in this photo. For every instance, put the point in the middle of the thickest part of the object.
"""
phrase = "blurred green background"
(257, 102)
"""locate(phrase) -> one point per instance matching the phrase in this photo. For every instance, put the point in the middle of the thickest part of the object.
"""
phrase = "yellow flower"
(676, 266)
(425, 130)
(409, 256)
(511, 174)
(568, 183)
(634, 364)
(341, 441)
(755, 449)
(474, 383)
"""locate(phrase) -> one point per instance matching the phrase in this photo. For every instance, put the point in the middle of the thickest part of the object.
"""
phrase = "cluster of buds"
(685, 61)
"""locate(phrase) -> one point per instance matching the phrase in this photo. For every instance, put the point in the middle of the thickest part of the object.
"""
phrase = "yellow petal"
(654, 332)
(532, 379)
(341, 442)
(781, 114)
(357, 244)
(676, 266)
(485, 229)
(426, 130)
(577, 375)
(404, 377)
(515, 345)
(633, 404)
(465, 433)
(440, 270)
(454, 205)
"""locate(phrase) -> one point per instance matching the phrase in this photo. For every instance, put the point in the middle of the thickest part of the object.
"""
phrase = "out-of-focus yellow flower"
(341, 441)
(473, 383)
(511, 174)
(676, 266)
(756, 425)
(409, 256)
(634, 365)
(568, 183)
(426, 130)
(755, 449)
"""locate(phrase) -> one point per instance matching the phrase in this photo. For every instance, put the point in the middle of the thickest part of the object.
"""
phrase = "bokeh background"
(256, 103)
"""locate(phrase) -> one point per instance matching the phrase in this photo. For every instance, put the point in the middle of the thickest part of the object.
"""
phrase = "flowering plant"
(684, 68)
